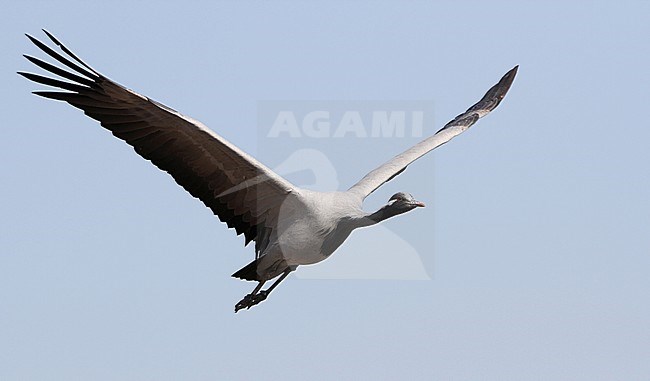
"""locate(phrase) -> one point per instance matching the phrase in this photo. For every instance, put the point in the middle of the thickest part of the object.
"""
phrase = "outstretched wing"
(241, 191)
(462, 122)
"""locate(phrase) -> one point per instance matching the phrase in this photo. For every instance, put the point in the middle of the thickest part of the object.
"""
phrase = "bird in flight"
(290, 226)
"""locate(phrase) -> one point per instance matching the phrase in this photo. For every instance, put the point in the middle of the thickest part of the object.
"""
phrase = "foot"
(250, 300)
(244, 303)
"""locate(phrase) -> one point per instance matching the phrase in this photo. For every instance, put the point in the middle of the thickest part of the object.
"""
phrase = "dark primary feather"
(489, 102)
(206, 165)
(67, 51)
(60, 72)
(62, 59)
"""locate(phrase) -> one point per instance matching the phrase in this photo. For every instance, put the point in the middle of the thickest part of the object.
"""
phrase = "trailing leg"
(247, 302)
(258, 296)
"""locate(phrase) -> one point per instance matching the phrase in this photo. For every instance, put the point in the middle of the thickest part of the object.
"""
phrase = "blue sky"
(535, 238)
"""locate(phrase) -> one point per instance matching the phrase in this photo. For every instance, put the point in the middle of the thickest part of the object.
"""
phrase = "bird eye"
(395, 199)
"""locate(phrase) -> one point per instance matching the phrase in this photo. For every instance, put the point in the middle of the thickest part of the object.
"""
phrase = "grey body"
(289, 225)
(312, 225)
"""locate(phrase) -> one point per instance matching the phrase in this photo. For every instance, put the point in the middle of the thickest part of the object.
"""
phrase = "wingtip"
(51, 37)
(43, 94)
(512, 72)
(508, 78)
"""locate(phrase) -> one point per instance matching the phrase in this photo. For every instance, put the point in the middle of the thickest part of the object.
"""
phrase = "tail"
(248, 272)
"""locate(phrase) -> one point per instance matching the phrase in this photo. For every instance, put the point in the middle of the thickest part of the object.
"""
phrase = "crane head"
(405, 201)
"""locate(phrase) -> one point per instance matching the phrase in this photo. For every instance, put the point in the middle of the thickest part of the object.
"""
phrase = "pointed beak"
(419, 204)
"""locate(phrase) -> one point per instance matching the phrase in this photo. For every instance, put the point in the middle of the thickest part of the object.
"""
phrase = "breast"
(320, 226)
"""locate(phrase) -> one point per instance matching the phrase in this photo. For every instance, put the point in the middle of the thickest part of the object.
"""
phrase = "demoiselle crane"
(290, 226)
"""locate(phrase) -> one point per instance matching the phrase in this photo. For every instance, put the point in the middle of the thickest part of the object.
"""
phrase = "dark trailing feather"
(248, 272)
(108, 111)
(396, 173)
(114, 118)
